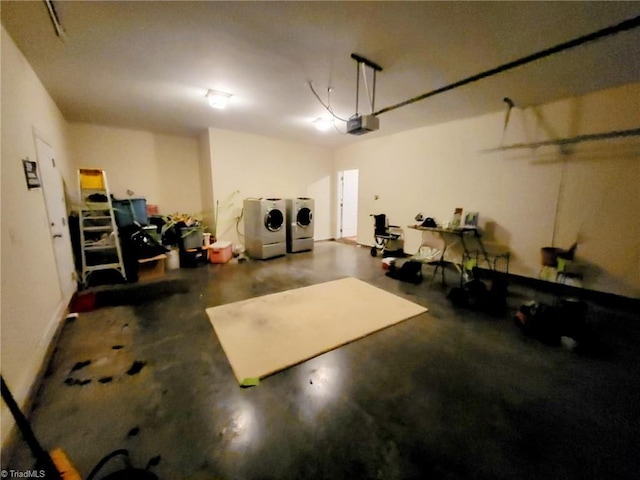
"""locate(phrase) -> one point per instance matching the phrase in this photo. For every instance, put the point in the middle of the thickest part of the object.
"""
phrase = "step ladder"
(99, 240)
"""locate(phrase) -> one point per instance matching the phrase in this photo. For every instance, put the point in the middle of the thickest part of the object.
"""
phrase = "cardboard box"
(220, 252)
(151, 267)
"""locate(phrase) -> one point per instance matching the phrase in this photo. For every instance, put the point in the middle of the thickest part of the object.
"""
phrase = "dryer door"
(273, 220)
(304, 217)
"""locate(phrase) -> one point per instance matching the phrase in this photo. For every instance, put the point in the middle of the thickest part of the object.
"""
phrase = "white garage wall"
(178, 174)
(32, 305)
(246, 166)
(162, 168)
(593, 186)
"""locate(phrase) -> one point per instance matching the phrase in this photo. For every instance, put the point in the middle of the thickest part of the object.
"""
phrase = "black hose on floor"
(106, 459)
(43, 459)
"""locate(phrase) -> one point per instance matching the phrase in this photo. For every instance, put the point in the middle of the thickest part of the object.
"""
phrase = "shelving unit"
(99, 241)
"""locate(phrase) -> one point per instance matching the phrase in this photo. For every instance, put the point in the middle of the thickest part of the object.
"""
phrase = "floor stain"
(77, 382)
(136, 367)
(80, 365)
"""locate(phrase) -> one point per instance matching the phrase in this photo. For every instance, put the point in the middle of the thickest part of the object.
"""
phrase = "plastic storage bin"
(130, 210)
(220, 252)
(191, 237)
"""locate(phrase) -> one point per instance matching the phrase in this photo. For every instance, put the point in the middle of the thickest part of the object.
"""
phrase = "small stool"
(549, 273)
(563, 275)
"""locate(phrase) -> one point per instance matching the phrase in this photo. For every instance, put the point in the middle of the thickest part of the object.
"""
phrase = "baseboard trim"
(25, 392)
(602, 298)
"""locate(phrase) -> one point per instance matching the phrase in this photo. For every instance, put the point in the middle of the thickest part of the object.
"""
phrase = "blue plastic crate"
(130, 210)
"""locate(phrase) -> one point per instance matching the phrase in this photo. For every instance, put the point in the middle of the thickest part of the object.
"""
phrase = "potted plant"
(182, 229)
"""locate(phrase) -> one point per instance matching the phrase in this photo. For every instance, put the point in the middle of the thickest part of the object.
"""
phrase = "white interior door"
(348, 204)
(56, 205)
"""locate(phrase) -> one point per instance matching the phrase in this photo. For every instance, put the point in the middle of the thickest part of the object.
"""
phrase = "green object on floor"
(250, 382)
(470, 264)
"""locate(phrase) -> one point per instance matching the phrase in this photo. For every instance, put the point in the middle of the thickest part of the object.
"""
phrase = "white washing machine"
(265, 233)
(299, 224)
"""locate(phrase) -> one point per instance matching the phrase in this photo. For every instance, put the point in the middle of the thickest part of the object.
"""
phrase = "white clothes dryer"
(300, 224)
(264, 227)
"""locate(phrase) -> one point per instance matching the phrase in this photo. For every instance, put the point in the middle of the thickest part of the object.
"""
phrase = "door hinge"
(53, 162)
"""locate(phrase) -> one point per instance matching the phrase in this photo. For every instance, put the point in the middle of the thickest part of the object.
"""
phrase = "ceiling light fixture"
(322, 124)
(218, 99)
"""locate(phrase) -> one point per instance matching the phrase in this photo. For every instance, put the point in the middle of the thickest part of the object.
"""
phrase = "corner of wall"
(206, 176)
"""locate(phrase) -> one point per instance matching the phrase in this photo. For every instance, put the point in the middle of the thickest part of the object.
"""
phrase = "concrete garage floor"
(453, 394)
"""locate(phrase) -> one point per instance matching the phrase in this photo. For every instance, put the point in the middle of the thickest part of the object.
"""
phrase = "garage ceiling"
(148, 65)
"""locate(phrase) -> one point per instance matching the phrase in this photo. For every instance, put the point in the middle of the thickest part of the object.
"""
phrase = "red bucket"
(83, 302)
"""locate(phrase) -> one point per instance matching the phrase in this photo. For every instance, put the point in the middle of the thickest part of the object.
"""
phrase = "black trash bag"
(496, 301)
(473, 294)
(137, 242)
(573, 317)
(171, 235)
(538, 320)
(458, 296)
(549, 323)
(409, 272)
(490, 297)
(477, 293)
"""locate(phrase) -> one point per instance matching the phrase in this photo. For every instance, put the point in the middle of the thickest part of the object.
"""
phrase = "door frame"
(341, 202)
(53, 191)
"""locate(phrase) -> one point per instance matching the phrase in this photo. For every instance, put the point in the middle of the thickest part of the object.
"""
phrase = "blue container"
(130, 210)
